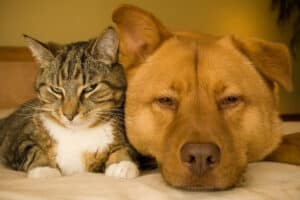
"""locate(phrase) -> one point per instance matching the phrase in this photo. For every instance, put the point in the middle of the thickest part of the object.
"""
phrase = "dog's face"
(203, 106)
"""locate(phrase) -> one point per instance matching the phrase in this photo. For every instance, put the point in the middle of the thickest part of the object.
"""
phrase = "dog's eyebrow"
(221, 88)
(226, 89)
(170, 91)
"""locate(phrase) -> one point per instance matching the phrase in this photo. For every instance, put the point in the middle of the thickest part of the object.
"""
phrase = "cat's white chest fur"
(72, 143)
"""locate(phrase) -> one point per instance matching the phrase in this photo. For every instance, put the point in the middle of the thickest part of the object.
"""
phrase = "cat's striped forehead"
(73, 62)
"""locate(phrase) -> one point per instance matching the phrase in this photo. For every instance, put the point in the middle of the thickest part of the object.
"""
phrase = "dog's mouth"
(215, 181)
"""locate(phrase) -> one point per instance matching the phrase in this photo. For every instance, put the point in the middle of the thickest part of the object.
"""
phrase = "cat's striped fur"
(76, 122)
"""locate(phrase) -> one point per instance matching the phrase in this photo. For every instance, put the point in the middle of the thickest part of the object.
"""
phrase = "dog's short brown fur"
(195, 88)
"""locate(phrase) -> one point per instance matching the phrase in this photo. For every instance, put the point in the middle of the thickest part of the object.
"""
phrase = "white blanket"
(262, 181)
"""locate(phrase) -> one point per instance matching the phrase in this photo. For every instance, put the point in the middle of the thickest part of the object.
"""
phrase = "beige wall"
(65, 21)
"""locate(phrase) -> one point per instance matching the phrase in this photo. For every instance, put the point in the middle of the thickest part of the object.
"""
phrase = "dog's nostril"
(211, 161)
(191, 160)
(200, 158)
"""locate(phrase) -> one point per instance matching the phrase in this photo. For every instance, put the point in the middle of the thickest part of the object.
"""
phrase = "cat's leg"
(41, 167)
(121, 165)
(33, 160)
(43, 172)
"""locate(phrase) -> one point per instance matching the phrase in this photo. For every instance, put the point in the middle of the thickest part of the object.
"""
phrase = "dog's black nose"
(200, 158)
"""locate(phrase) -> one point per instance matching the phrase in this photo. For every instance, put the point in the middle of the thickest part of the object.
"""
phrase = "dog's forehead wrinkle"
(220, 75)
(196, 63)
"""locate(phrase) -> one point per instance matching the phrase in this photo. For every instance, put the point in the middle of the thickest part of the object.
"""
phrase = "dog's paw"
(43, 172)
(123, 169)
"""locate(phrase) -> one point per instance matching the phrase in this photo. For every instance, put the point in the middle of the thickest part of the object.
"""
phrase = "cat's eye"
(166, 102)
(229, 102)
(56, 90)
(90, 88)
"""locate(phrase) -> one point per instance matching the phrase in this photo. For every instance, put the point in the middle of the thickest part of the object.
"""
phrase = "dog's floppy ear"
(140, 34)
(271, 59)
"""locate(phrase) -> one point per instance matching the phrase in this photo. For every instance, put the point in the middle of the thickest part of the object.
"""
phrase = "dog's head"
(203, 106)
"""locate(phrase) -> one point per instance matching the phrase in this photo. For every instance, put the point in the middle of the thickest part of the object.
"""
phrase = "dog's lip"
(197, 186)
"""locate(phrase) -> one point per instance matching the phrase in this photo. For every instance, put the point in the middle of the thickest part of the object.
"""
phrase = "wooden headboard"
(17, 75)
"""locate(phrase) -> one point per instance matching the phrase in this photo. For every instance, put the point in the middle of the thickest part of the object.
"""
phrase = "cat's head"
(79, 84)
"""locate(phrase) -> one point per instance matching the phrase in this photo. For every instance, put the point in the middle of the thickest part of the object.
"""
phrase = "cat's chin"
(77, 124)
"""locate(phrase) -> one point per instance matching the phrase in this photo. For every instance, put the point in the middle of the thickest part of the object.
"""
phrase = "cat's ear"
(39, 50)
(105, 47)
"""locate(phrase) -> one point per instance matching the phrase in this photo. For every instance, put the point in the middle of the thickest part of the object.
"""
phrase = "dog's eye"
(56, 90)
(229, 102)
(167, 102)
(90, 88)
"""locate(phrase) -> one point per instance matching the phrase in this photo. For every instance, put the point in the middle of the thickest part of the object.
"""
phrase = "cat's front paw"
(43, 172)
(123, 169)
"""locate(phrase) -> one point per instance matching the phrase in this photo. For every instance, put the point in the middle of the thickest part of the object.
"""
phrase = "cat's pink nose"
(70, 108)
(70, 115)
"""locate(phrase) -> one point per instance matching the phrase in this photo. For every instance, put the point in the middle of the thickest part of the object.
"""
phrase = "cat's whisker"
(120, 116)
(36, 108)
(112, 120)
(110, 111)
(116, 122)
(119, 120)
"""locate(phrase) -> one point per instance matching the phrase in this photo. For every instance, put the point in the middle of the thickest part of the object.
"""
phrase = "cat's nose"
(70, 108)
(70, 115)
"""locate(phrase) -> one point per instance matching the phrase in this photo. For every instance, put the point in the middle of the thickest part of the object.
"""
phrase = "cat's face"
(80, 84)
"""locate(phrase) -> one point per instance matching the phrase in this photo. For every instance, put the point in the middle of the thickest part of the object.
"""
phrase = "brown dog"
(203, 106)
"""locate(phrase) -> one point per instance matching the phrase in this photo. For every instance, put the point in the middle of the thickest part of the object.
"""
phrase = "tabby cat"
(76, 122)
